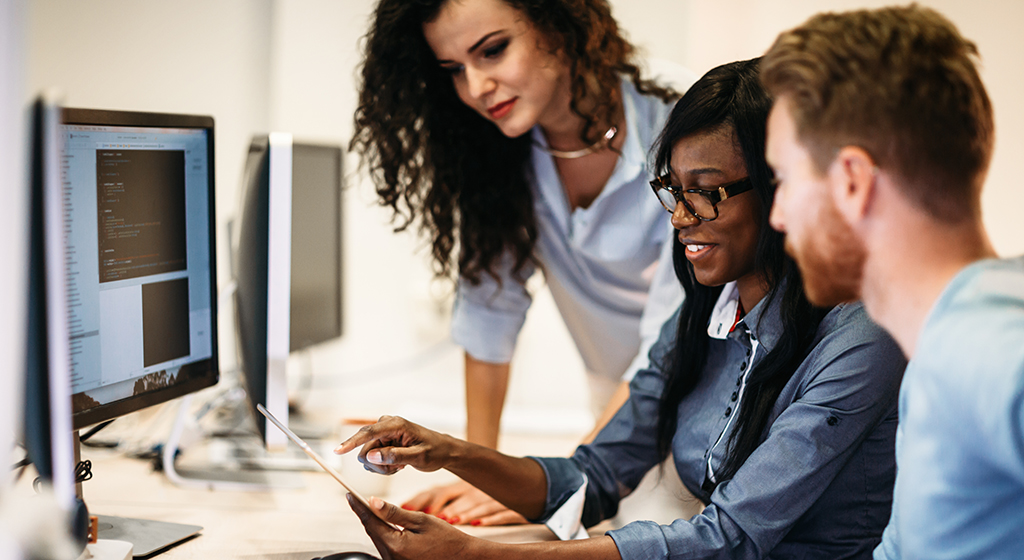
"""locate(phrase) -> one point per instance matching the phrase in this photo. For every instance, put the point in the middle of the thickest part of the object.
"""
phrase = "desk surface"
(275, 525)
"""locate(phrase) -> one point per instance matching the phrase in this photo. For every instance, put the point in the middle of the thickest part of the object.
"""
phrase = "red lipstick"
(499, 110)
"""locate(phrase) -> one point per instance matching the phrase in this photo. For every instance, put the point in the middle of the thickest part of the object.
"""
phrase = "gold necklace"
(595, 147)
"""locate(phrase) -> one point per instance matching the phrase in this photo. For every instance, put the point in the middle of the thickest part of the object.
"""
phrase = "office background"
(289, 65)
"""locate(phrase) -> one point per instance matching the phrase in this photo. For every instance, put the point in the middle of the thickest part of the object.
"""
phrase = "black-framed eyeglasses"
(702, 203)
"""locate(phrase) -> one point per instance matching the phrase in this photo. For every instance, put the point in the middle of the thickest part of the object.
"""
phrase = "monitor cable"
(93, 431)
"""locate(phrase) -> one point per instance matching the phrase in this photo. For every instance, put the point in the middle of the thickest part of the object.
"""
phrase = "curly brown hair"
(437, 162)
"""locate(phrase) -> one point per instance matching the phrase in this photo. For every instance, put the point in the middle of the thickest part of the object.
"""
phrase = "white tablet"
(316, 457)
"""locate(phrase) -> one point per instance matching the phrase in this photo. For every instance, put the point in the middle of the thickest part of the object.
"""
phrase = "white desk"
(276, 525)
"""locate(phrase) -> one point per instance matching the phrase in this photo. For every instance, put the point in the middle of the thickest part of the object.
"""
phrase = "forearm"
(598, 548)
(517, 482)
(486, 385)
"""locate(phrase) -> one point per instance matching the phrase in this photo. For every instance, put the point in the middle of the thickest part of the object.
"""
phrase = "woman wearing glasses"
(515, 134)
(780, 417)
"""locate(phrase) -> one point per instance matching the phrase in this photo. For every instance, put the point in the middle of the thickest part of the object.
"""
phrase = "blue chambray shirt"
(819, 485)
(960, 491)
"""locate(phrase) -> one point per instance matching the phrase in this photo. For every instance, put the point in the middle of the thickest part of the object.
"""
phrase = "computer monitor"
(131, 275)
(288, 264)
(140, 259)
(46, 425)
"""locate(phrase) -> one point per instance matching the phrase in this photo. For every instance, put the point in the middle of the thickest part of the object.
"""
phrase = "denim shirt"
(818, 486)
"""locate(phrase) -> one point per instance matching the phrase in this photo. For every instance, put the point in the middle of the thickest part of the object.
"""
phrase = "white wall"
(394, 310)
(257, 65)
(185, 56)
(13, 166)
(746, 28)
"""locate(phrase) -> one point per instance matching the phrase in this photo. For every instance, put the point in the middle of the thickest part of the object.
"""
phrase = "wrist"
(484, 549)
(456, 450)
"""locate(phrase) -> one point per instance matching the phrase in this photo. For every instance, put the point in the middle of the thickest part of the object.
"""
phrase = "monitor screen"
(316, 245)
(141, 280)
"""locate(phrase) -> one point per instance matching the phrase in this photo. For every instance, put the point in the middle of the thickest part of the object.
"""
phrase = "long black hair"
(732, 94)
(439, 164)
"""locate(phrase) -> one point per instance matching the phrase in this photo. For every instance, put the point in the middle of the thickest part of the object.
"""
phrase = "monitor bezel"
(201, 374)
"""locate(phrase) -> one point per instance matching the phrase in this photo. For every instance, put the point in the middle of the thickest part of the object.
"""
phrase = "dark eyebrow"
(694, 173)
(475, 46)
(705, 171)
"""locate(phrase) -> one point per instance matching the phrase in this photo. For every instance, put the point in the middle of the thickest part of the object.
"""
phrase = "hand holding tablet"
(319, 460)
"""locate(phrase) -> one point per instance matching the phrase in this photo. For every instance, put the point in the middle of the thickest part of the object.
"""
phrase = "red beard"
(831, 261)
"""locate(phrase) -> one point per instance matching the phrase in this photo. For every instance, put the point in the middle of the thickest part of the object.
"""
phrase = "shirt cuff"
(486, 334)
(640, 540)
(564, 479)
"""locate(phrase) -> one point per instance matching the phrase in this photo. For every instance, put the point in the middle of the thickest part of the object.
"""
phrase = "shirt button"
(728, 411)
(739, 380)
(748, 352)
(734, 395)
(744, 366)
(832, 421)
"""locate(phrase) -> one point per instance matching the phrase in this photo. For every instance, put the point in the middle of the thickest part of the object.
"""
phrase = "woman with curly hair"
(514, 133)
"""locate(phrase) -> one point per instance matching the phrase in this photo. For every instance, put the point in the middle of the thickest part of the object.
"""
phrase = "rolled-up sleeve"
(564, 479)
(620, 455)
(850, 387)
(487, 317)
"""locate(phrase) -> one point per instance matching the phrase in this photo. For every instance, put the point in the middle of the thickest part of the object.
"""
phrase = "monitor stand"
(146, 537)
(219, 479)
(120, 536)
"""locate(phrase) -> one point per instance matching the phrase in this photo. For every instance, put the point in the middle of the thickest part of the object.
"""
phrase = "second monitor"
(288, 264)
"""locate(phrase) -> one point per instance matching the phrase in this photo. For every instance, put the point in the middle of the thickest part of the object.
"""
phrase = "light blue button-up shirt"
(960, 489)
(609, 266)
(818, 486)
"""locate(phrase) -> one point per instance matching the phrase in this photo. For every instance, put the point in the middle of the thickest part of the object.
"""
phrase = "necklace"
(595, 147)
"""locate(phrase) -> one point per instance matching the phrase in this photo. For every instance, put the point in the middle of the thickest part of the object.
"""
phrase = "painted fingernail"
(455, 520)
(426, 510)
(407, 507)
(442, 517)
(475, 522)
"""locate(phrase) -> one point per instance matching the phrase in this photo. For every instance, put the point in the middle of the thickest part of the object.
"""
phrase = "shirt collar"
(764, 321)
(724, 314)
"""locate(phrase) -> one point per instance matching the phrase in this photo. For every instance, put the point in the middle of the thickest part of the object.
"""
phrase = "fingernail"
(455, 520)
(426, 510)
(475, 522)
(374, 457)
(376, 502)
(442, 517)
(407, 507)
